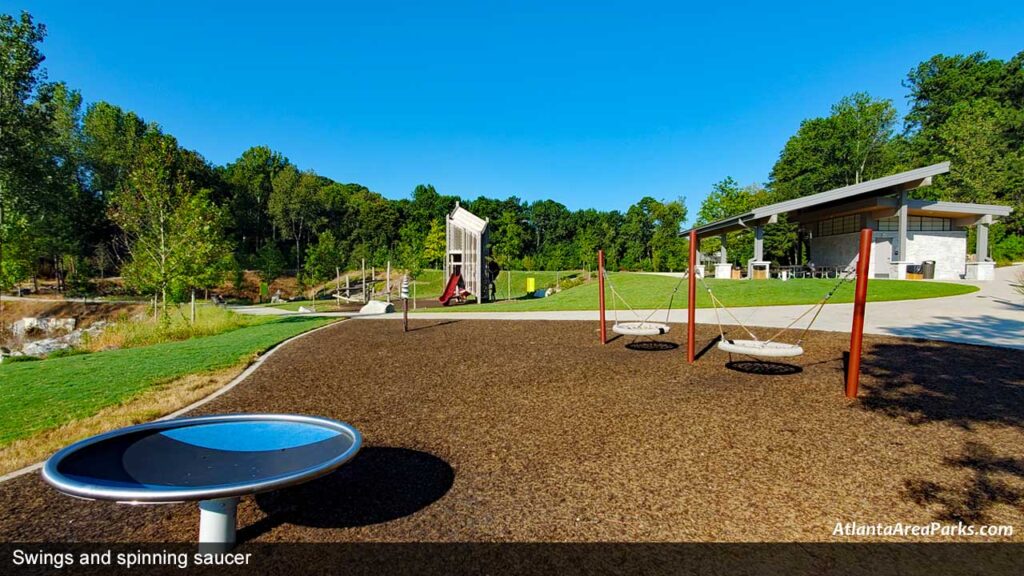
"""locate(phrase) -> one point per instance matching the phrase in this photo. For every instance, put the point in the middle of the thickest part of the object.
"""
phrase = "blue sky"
(592, 104)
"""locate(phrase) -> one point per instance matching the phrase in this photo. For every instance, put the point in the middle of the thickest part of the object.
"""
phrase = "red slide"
(450, 289)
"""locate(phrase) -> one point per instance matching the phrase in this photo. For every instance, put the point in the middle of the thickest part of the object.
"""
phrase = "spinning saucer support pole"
(217, 523)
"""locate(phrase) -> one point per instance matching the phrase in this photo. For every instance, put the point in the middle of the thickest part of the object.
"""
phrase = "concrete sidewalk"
(994, 316)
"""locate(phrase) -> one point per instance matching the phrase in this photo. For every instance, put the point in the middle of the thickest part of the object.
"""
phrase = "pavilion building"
(907, 231)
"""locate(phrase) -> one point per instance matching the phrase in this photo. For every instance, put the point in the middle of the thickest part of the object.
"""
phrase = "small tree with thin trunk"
(322, 262)
(172, 231)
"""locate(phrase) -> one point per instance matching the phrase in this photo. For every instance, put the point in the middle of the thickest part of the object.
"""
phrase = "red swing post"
(859, 303)
(691, 310)
(600, 295)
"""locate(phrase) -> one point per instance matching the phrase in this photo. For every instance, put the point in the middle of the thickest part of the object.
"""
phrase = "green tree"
(170, 228)
(986, 165)
(435, 244)
(847, 147)
(726, 199)
(250, 179)
(970, 110)
(942, 83)
(110, 139)
(270, 263)
(295, 204)
(508, 237)
(667, 248)
(322, 262)
(198, 225)
(23, 120)
(411, 248)
(638, 230)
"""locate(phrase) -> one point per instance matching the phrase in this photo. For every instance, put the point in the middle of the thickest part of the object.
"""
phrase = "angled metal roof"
(877, 187)
(467, 220)
(959, 208)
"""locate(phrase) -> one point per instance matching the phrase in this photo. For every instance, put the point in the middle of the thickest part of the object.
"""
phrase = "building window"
(839, 225)
(916, 224)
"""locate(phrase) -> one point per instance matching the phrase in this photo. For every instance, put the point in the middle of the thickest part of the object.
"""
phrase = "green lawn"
(44, 394)
(651, 292)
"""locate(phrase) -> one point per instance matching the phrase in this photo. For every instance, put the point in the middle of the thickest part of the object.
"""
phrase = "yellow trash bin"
(531, 286)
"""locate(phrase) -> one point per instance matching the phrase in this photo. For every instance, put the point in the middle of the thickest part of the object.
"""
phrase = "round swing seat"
(761, 349)
(640, 328)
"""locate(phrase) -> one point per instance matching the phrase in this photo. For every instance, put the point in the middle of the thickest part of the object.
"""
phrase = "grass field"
(45, 394)
(652, 292)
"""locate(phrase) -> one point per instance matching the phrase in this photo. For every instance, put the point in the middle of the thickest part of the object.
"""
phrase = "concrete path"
(994, 316)
(258, 310)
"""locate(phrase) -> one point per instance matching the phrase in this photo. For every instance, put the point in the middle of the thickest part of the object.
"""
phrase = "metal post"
(217, 524)
(691, 303)
(389, 281)
(363, 280)
(405, 303)
(859, 301)
(600, 295)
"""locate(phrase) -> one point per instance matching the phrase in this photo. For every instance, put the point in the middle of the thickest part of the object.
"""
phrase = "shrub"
(1007, 249)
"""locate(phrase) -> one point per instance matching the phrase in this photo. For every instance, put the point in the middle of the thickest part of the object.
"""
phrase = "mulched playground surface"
(535, 432)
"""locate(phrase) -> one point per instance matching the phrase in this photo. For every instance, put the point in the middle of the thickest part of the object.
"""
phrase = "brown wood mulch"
(533, 431)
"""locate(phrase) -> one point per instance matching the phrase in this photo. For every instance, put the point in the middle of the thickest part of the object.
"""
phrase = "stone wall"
(838, 250)
(948, 249)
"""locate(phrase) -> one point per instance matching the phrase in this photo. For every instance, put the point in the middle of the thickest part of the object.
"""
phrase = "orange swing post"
(859, 303)
(600, 295)
(691, 302)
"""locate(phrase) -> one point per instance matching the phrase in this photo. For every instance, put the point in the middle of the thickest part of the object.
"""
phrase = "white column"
(217, 523)
(901, 241)
(982, 244)
(759, 243)
(722, 256)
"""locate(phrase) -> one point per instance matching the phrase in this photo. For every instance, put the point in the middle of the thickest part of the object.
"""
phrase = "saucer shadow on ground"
(764, 367)
(652, 345)
(379, 485)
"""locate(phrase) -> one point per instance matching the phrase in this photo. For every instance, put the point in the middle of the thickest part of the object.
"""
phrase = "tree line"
(91, 191)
